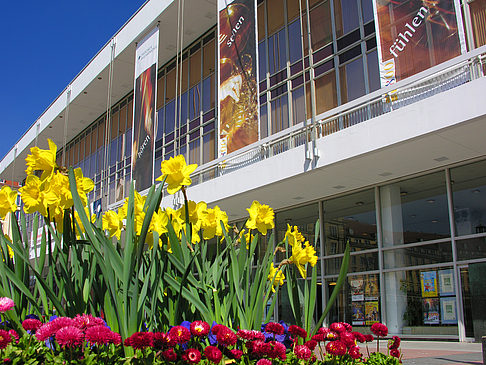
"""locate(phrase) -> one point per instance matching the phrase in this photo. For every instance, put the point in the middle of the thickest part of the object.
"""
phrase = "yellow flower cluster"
(301, 255)
(50, 195)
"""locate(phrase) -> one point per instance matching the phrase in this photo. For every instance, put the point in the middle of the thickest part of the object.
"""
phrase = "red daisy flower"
(275, 328)
(348, 339)
(236, 354)
(169, 355)
(162, 340)
(332, 336)
(302, 352)
(394, 343)
(192, 356)
(259, 348)
(226, 337)
(323, 331)
(31, 324)
(379, 329)
(354, 353)
(84, 321)
(311, 344)
(139, 340)
(264, 362)
(180, 334)
(44, 332)
(69, 336)
(349, 328)
(5, 339)
(318, 337)
(395, 353)
(297, 331)
(215, 329)
(61, 322)
(276, 350)
(369, 338)
(359, 337)
(336, 348)
(100, 335)
(199, 328)
(338, 327)
(250, 335)
(213, 354)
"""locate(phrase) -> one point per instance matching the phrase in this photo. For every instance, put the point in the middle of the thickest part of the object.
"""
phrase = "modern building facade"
(398, 171)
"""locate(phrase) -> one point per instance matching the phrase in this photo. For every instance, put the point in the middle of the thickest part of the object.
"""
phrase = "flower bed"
(85, 339)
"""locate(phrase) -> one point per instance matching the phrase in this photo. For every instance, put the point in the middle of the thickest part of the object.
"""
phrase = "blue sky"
(44, 46)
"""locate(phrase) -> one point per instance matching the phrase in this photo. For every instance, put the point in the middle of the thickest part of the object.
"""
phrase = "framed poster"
(428, 280)
(357, 288)
(446, 282)
(372, 313)
(358, 309)
(430, 307)
(371, 288)
(448, 313)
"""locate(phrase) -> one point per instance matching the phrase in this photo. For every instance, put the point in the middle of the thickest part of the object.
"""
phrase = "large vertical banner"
(414, 35)
(237, 86)
(146, 60)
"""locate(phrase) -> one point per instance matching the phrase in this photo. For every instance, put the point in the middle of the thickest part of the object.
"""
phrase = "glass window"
(352, 219)
(415, 210)
(209, 147)
(262, 57)
(295, 41)
(276, 52)
(160, 124)
(194, 101)
(418, 255)
(170, 117)
(261, 21)
(346, 13)
(194, 151)
(373, 71)
(160, 91)
(352, 80)
(367, 10)
(469, 197)
(421, 302)
(208, 59)
(263, 121)
(275, 15)
(280, 114)
(170, 86)
(298, 105)
(195, 71)
(320, 20)
(326, 97)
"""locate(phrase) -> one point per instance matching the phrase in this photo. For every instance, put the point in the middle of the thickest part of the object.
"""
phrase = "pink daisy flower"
(69, 336)
(6, 304)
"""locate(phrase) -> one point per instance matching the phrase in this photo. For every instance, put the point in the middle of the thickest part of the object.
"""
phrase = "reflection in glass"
(350, 218)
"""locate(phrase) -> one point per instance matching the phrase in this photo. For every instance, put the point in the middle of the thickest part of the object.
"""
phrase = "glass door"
(466, 300)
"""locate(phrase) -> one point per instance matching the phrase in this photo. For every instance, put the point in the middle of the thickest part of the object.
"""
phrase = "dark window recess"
(208, 128)
(259, 2)
(129, 160)
(112, 170)
(278, 77)
(160, 73)
(158, 153)
(371, 43)
(262, 86)
(296, 67)
(306, 62)
(169, 137)
(209, 115)
(183, 130)
(194, 124)
(185, 55)
(169, 148)
(194, 135)
(348, 39)
(369, 28)
(171, 66)
(322, 53)
(279, 91)
(195, 48)
(263, 98)
(324, 68)
(158, 143)
(300, 80)
(208, 38)
(353, 52)
(182, 140)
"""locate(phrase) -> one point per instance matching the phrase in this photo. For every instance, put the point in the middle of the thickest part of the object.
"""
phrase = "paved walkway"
(438, 352)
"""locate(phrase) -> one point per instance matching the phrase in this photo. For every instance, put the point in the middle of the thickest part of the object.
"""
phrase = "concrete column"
(392, 233)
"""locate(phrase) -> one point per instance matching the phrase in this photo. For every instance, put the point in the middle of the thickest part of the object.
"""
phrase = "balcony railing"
(437, 79)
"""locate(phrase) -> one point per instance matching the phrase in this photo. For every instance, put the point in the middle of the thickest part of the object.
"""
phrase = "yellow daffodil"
(7, 201)
(276, 276)
(248, 238)
(112, 223)
(294, 236)
(33, 196)
(303, 255)
(211, 222)
(195, 213)
(176, 220)
(83, 184)
(44, 160)
(80, 223)
(10, 250)
(261, 217)
(177, 172)
(159, 225)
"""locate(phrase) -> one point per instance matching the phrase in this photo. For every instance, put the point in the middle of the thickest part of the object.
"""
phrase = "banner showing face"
(144, 111)
(238, 87)
(414, 35)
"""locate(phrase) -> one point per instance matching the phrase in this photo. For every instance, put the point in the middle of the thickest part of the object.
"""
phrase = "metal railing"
(436, 80)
